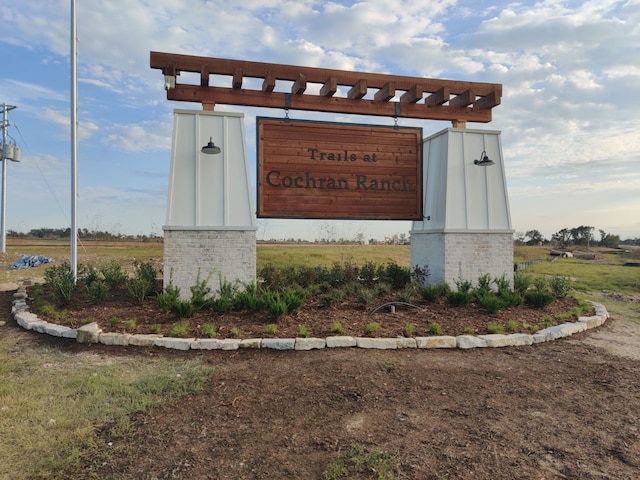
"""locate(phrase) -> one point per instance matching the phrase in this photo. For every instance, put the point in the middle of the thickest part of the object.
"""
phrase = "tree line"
(577, 236)
(83, 233)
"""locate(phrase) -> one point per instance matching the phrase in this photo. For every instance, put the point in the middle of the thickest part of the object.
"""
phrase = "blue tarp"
(26, 261)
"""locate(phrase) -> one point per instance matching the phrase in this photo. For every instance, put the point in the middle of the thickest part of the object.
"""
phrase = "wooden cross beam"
(415, 97)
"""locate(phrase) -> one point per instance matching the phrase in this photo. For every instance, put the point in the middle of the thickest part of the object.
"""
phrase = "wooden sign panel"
(338, 171)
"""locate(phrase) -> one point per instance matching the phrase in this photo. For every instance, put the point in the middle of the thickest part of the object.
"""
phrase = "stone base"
(228, 254)
(468, 255)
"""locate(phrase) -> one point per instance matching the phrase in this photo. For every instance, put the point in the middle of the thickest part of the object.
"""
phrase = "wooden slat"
(204, 76)
(413, 95)
(237, 79)
(487, 102)
(438, 97)
(329, 88)
(465, 99)
(269, 82)
(358, 91)
(300, 85)
(386, 93)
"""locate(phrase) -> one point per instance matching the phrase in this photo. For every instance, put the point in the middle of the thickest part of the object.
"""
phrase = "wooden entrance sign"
(338, 171)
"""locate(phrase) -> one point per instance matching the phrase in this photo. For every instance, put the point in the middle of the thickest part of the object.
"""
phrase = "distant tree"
(609, 240)
(534, 236)
(518, 238)
(582, 235)
(562, 237)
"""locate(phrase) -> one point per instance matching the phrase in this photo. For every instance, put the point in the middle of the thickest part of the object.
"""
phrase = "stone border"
(91, 333)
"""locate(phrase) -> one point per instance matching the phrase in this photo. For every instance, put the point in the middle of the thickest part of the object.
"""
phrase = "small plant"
(513, 298)
(114, 321)
(512, 325)
(463, 285)
(46, 309)
(332, 297)
(168, 297)
(234, 332)
(182, 309)
(113, 274)
(130, 324)
(337, 328)
(366, 296)
(371, 328)
(97, 291)
(420, 274)
(502, 284)
(491, 303)
(521, 282)
(406, 294)
(138, 288)
(199, 292)
(538, 299)
(271, 329)
(209, 330)
(435, 329)
(469, 330)
(484, 284)
(155, 328)
(381, 289)
(303, 331)
(410, 329)
(459, 299)
(179, 329)
(540, 283)
(62, 282)
(560, 286)
(277, 307)
(293, 299)
(88, 320)
(494, 328)
(431, 293)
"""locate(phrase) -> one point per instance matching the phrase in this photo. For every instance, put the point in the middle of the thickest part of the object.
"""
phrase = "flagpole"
(74, 141)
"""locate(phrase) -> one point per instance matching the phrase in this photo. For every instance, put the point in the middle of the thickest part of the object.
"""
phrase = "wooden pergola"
(424, 98)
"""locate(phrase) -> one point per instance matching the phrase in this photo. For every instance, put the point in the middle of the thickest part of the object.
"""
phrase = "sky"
(570, 112)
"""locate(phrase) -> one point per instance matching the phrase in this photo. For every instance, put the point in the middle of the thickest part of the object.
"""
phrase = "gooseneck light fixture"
(211, 148)
(484, 161)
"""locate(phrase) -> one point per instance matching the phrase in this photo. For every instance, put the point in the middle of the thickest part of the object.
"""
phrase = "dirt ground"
(562, 410)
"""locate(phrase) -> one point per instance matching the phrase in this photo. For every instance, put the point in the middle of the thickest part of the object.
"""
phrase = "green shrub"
(179, 329)
(459, 299)
(199, 292)
(502, 284)
(332, 297)
(494, 328)
(435, 329)
(220, 305)
(114, 321)
(371, 328)
(337, 328)
(294, 299)
(420, 274)
(303, 331)
(410, 329)
(130, 324)
(247, 300)
(484, 285)
(538, 299)
(521, 282)
(366, 296)
(209, 330)
(138, 288)
(541, 284)
(156, 328)
(512, 325)
(88, 274)
(407, 294)
(469, 330)
(431, 293)
(168, 297)
(113, 274)
(235, 332)
(463, 285)
(492, 303)
(513, 298)
(395, 275)
(271, 329)
(147, 271)
(277, 308)
(560, 286)
(62, 283)
(97, 291)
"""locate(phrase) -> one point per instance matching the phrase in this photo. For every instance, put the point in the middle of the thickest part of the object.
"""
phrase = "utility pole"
(9, 152)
